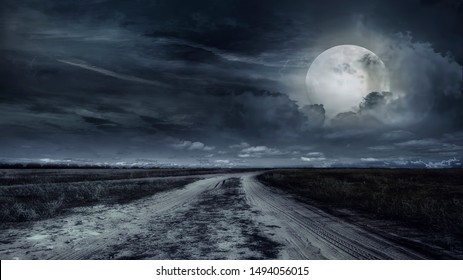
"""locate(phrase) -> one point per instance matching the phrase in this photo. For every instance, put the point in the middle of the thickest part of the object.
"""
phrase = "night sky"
(222, 83)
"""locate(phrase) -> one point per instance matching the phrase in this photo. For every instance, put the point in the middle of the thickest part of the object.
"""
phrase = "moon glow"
(340, 77)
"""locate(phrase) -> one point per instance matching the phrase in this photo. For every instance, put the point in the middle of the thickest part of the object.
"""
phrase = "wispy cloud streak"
(113, 74)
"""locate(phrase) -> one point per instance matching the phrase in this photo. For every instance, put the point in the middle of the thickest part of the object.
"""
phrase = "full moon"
(340, 77)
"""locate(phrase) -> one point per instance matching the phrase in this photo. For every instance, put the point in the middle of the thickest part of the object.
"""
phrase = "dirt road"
(310, 233)
(229, 216)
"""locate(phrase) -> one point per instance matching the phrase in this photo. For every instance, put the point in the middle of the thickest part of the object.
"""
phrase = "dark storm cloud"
(165, 125)
(42, 108)
(222, 82)
(315, 114)
(109, 108)
(98, 121)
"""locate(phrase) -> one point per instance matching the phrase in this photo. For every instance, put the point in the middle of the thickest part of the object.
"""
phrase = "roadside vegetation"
(431, 199)
(20, 203)
(9, 177)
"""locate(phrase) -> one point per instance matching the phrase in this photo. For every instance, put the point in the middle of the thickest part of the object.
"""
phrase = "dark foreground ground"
(231, 214)
(430, 201)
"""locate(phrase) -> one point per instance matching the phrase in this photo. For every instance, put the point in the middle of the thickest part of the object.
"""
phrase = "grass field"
(34, 195)
(9, 177)
(432, 199)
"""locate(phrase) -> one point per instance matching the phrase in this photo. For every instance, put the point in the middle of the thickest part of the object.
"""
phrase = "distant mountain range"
(152, 164)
